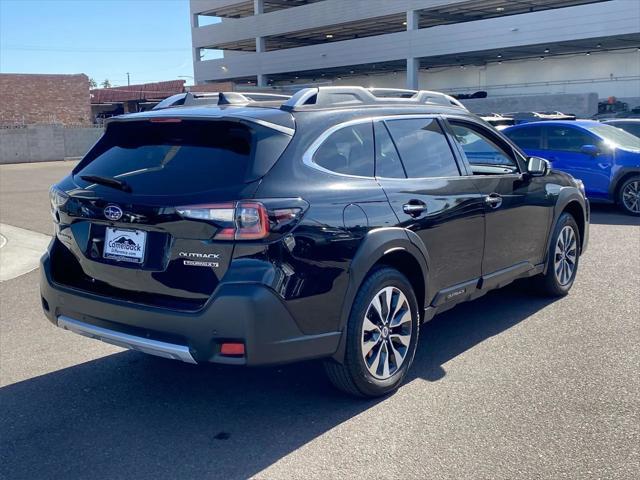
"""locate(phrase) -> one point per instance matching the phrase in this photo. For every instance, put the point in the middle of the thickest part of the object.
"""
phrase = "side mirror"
(592, 150)
(538, 167)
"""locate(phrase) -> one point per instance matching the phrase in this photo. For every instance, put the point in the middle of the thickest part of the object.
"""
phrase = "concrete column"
(258, 9)
(195, 52)
(413, 64)
(413, 19)
(412, 73)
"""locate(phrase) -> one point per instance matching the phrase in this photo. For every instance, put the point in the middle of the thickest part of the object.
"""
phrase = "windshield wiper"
(108, 182)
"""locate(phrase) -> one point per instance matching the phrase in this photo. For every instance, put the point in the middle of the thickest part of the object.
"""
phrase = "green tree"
(106, 83)
(92, 83)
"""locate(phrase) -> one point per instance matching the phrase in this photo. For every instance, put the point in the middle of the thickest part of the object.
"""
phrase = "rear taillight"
(243, 220)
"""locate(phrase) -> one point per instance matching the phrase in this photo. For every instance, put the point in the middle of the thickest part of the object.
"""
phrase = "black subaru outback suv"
(331, 226)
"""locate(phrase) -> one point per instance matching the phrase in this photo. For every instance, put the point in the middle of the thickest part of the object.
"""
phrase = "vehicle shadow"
(605, 214)
(130, 415)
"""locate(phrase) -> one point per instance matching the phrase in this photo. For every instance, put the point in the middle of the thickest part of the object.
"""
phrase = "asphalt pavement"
(509, 386)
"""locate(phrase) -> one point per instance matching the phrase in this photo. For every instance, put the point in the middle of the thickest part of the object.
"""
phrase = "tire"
(629, 196)
(562, 262)
(379, 372)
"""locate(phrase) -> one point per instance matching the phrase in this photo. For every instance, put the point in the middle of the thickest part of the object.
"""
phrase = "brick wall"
(34, 98)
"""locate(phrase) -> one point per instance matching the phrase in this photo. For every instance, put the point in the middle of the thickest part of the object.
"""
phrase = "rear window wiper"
(108, 182)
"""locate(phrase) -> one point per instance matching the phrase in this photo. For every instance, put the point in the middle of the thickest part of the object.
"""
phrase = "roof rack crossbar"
(232, 98)
(327, 97)
(219, 98)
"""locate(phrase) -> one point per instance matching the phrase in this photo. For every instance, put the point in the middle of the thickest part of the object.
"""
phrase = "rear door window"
(183, 156)
(388, 164)
(526, 137)
(423, 148)
(567, 139)
(348, 151)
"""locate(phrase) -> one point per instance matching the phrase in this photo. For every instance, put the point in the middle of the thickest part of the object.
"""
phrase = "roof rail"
(218, 98)
(328, 97)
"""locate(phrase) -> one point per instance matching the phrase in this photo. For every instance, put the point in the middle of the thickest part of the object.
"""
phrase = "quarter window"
(423, 148)
(479, 149)
(348, 151)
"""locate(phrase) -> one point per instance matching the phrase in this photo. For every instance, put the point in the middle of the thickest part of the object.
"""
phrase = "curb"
(21, 251)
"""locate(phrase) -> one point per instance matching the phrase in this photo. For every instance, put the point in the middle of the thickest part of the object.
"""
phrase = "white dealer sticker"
(124, 245)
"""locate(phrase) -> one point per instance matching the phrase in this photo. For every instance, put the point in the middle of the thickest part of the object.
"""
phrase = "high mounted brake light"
(243, 220)
(165, 120)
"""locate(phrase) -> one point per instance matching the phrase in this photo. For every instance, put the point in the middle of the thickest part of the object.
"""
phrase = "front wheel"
(563, 258)
(382, 334)
(629, 196)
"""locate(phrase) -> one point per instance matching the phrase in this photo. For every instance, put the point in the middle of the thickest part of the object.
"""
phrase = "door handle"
(414, 207)
(493, 200)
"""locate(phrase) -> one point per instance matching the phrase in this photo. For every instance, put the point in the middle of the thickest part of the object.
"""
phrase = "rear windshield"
(188, 156)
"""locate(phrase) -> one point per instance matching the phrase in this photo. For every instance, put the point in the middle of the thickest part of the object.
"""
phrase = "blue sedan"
(605, 158)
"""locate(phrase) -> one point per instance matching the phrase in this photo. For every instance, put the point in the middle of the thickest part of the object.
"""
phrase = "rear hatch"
(147, 216)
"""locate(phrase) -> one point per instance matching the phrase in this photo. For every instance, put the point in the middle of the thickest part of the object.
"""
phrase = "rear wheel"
(629, 196)
(563, 258)
(382, 334)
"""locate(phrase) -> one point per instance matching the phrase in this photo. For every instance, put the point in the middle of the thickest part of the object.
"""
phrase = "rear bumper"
(249, 313)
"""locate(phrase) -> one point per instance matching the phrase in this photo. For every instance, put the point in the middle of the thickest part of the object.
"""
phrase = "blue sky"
(102, 38)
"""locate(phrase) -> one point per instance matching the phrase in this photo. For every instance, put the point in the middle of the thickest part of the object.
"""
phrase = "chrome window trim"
(307, 156)
(272, 126)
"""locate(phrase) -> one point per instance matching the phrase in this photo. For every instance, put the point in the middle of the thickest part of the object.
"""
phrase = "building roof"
(143, 91)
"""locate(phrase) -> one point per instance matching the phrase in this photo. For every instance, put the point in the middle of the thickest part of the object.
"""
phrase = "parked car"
(526, 117)
(605, 158)
(631, 125)
(613, 108)
(329, 227)
(498, 120)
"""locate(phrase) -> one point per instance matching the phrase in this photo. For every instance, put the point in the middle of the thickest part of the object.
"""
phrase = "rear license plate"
(124, 245)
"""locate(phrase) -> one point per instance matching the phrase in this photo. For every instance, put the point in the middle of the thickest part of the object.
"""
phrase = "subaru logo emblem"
(113, 212)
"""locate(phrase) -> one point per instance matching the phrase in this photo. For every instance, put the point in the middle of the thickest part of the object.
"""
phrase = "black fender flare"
(566, 196)
(615, 181)
(375, 245)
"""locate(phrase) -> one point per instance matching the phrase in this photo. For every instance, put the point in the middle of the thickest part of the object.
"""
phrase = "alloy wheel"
(386, 333)
(631, 196)
(566, 254)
